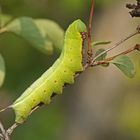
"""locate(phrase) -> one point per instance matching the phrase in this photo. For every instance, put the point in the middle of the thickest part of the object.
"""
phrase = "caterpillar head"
(80, 26)
(75, 29)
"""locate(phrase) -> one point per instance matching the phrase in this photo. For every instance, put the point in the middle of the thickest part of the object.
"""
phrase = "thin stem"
(136, 47)
(4, 135)
(2, 128)
(106, 61)
(2, 110)
(116, 45)
(90, 53)
(12, 128)
(1, 137)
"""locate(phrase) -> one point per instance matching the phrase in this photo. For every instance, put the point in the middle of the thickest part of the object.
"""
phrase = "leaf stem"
(4, 135)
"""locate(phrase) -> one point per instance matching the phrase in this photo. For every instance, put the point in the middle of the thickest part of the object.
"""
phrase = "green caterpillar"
(52, 81)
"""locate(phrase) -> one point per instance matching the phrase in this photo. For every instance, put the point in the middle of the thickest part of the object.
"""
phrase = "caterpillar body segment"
(52, 81)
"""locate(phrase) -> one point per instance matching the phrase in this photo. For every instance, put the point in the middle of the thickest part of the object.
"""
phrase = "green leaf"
(102, 57)
(26, 28)
(52, 31)
(2, 70)
(4, 19)
(39, 33)
(125, 64)
(100, 43)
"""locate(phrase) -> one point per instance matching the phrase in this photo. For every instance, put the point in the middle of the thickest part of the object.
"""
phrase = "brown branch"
(117, 44)
(106, 61)
(10, 130)
(4, 135)
(89, 52)
(136, 47)
(93, 62)
(2, 131)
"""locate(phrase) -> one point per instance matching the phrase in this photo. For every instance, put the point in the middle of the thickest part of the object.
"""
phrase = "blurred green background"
(102, 104)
